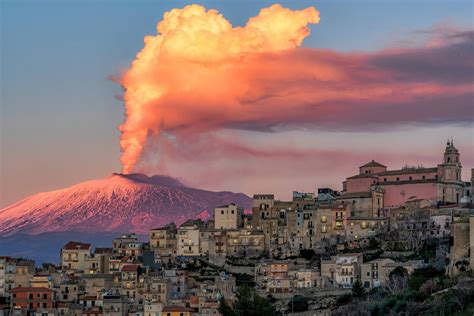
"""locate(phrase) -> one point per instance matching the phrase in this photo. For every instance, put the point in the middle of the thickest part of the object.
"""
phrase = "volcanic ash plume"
(199, 73)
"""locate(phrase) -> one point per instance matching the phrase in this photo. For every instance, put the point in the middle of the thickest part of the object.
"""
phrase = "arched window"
(449, 159)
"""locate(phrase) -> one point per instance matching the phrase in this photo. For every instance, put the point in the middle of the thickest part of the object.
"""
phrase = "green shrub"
(298, 304)
(344, 299)
(400, 306)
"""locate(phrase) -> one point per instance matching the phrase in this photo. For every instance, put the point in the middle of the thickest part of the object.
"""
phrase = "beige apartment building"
(228, 216)
(156, 289)
(74, 254)
(189, 238)
(342, 269)
(129, 280)
(163, 243)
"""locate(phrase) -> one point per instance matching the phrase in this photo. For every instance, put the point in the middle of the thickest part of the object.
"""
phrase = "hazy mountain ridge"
(118, 203)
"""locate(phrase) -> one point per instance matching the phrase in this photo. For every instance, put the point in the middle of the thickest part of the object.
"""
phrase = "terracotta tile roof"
(364, 175)
(373, 163)
(30, 289)
(176, 308)
(130, 267)
(103, 250)
(408, 171)
(74, 245)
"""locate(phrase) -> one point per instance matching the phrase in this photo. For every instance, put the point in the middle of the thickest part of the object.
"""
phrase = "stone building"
(15, 272)
(461, 246)
(129, 278)
(441, 183)
(163, 243)
(32, 298)
(228, 216)
(342, 269)
(471, 241)
(376, 273)
(127, 245)
(74, 254)
(261, 205)
(245, 243)
(188, 237)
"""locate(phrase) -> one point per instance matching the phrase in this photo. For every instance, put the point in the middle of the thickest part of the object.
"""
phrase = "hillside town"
(391, 241)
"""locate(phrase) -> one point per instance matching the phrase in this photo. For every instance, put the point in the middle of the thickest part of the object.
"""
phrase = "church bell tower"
(450, 185)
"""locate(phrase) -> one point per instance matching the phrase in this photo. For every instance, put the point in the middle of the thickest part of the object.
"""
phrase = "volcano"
(116, 204)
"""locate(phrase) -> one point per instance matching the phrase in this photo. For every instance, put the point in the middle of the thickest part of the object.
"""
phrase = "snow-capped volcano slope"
(119, 203)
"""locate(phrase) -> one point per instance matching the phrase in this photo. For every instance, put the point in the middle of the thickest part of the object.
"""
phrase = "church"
(375, 188)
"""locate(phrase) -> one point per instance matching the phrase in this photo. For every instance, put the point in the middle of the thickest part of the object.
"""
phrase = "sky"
(60, 111)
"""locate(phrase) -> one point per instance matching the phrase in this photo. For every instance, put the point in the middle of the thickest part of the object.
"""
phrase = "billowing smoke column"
(199, 73)
(199, 85)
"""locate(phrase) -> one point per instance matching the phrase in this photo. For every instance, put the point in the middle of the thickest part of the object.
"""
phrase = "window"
(324, 219)
(222, 212)
(232, 211)
(410, 178)
(424, 177)
(398, 179)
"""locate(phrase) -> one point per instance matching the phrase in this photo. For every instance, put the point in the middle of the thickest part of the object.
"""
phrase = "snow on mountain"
(118, 203)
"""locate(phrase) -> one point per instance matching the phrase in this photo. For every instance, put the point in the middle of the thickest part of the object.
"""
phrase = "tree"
(358, 289)
(298, 304)
(308, 254)
(398, 280)
(225, 309)
(248, 303)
